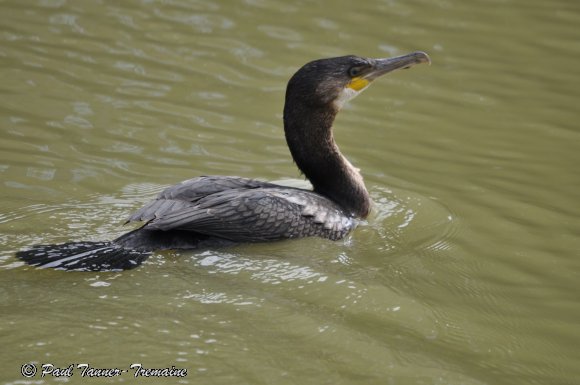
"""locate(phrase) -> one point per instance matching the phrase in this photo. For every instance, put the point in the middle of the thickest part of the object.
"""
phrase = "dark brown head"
(333, 81)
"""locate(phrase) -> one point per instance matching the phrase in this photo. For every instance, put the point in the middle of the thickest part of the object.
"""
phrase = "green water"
(468, 272)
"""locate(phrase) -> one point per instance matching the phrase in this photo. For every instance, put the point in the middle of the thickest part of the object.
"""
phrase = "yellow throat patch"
(358, 83)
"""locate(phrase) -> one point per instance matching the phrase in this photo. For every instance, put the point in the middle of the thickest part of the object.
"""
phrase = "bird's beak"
(383, 66)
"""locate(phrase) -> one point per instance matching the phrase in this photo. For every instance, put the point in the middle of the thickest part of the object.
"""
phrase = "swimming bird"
(211, 211)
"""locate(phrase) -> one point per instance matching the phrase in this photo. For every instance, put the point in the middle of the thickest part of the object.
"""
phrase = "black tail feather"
(84, 256)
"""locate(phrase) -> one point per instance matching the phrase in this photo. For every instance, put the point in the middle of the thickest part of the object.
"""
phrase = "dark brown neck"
(309, 136)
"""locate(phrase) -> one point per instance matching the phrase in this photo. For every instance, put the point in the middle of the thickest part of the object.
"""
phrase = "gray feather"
(247, 210)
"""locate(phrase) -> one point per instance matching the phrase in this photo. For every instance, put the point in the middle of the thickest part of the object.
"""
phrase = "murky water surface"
(468, 272)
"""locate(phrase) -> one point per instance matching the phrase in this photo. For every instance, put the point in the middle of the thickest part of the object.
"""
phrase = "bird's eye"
(354, 71)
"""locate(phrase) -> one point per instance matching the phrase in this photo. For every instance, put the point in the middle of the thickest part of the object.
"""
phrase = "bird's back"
(243, 210)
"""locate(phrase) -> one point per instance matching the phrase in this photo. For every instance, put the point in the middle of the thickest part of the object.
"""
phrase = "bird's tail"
(84, 256)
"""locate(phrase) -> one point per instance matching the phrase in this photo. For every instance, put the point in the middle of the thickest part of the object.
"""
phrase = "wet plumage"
(244, 210)
(212, 211)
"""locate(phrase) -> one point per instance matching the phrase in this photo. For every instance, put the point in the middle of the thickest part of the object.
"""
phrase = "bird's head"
(334, 81)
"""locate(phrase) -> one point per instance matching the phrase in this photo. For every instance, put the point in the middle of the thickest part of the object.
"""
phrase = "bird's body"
(221, 210)
(244, 210)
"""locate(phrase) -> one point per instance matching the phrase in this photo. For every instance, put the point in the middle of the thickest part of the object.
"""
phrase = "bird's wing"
(186, 193)
(250, 215)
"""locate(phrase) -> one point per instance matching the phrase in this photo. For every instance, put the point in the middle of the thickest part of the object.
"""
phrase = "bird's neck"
(309, 137)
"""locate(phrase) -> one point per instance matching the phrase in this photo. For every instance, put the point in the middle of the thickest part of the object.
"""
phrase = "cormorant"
(220, 210)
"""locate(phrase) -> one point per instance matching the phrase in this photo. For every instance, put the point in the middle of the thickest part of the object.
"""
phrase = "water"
(467, 273)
